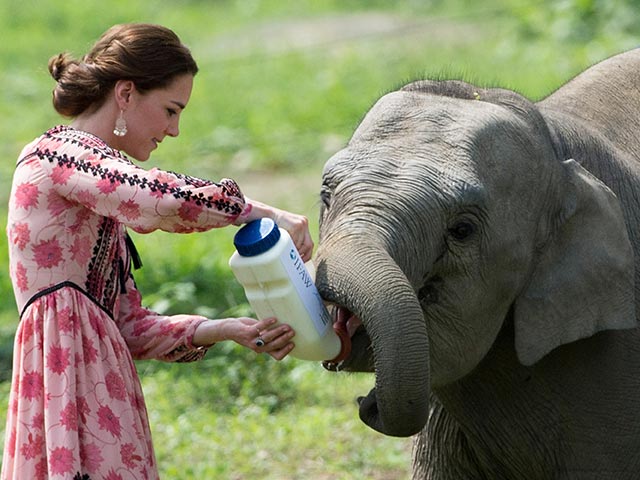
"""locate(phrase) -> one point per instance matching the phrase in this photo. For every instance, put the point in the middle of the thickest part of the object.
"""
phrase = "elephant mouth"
(347, 325)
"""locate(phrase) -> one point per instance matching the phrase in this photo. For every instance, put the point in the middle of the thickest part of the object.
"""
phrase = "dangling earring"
(121, 125)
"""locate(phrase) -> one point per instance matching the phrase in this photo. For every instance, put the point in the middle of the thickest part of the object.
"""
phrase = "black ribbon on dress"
(135, 260)
(133, 252)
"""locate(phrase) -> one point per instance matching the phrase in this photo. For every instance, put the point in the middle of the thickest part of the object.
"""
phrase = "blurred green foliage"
(281, 87)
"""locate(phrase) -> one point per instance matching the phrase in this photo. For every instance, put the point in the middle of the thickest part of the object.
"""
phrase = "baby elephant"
(481, 247)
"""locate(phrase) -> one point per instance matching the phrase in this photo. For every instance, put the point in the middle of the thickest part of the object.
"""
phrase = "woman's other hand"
(264, 336)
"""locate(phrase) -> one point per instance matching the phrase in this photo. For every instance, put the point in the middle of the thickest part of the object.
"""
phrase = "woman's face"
(153, 115)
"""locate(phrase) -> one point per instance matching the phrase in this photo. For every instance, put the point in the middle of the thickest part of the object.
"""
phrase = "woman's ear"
(583, 281)
(123, 91)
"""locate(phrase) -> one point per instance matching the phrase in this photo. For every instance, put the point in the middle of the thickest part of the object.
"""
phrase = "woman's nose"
(173, 130)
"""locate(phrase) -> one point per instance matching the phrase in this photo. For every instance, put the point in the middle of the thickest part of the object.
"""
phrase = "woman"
(76, 406)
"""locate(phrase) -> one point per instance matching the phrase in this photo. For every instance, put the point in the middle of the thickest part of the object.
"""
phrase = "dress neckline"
(93, 140)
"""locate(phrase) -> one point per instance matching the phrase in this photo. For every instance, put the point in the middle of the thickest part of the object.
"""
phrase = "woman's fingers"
(276, 341)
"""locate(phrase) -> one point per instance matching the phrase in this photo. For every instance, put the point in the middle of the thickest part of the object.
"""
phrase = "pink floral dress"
(76, 409)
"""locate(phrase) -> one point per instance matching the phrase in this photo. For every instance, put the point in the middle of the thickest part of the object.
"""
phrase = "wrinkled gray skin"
(487, 245)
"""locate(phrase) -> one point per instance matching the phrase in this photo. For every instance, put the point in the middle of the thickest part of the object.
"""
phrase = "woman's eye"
(171, 112)
(462, 230)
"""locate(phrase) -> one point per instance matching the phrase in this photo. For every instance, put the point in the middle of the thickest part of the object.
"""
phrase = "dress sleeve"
(150, 335)
(143, 200)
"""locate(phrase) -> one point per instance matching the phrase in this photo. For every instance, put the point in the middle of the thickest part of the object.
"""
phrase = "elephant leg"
(441, 450)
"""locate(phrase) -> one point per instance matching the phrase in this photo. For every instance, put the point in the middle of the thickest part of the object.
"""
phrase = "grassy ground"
(282, 86)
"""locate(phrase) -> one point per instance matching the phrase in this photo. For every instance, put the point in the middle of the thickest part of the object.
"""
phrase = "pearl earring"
(121, 125)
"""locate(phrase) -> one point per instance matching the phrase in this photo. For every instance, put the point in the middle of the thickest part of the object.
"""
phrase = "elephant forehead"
(447, 138)
(419, 117)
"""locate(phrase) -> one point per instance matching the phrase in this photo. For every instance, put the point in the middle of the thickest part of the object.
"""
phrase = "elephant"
(482, 250)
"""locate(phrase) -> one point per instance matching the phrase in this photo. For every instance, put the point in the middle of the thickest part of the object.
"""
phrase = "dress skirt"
(76, 409)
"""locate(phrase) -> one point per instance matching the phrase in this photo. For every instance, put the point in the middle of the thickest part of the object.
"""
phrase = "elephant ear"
(584, 280)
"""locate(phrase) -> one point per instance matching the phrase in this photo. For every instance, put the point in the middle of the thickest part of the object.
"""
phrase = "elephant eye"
(462, 230)
(325, 197)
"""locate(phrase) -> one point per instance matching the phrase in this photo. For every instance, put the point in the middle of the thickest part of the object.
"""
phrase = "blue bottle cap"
(256, 237)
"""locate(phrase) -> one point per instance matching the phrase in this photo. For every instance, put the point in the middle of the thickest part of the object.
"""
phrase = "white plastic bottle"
(277, 284)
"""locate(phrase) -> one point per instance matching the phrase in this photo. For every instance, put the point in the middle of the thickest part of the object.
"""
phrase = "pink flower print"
(81, 218)
(61, 461)
(129, 456)
(89, 352)
(142, 325)
(66, 320)
(37, 421)
(134, 297)
(83, 409)
(171, 328)
(57, 204)
(60, 175)
(48, 253)
(156, 193)
(113, 475)
(96, 322)
(69, 417)
(163, 177)
(20, 235)
(11, 443)
(58, 359)
(31, 385)
(42, 472)
(92, 159)
(106, 185)
(91, 457)
(26, 195)
(33, 448)
(189, 212)
(109, 421)
(81, 250)
(28, 330)
(116, 386)
(129, 209)
(88, 199)
(22, 281)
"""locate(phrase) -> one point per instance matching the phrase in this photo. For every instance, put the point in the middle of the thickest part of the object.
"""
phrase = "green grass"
(282, 86)
(314, 434)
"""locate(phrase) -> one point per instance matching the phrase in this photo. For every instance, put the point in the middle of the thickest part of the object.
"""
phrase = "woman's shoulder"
(80, 138)
(68, 141)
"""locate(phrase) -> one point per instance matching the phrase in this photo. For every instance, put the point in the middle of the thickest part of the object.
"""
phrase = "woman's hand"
(298, 228)
(296, 225)
(262, 336)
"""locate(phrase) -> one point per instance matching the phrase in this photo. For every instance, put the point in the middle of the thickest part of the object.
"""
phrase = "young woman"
(76, 408)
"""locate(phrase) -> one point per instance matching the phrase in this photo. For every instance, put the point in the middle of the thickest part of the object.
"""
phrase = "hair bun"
(58, 64)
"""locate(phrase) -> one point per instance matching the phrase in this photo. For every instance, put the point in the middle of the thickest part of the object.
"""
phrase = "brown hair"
(149, 55)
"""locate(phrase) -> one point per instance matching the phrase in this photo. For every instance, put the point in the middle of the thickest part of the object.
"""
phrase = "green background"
(281, 87)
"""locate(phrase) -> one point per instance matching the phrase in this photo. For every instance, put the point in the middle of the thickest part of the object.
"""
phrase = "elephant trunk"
(368, 282)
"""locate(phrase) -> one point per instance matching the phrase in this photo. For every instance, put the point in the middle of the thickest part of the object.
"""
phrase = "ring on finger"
(260, 341)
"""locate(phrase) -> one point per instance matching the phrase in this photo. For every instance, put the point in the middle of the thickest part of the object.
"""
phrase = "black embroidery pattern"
(104, 268)
(228, 187)
(190, 355)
